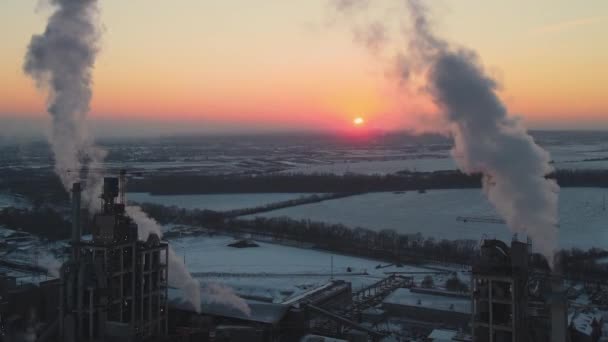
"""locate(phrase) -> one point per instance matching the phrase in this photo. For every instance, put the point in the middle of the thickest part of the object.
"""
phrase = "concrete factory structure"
(114, 286)
(500, 292)
(434, 310)
(286, 321)
(512, 302)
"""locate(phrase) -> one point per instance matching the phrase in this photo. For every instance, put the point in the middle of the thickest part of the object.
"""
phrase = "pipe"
(76, 229)
(91, 315)
(80, 300)
(50, 331)
(123, 187)
(559, 309)
(62, 308)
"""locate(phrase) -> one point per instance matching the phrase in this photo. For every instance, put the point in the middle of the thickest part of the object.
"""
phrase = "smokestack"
(122, 184)
(61, 61)
(559, 309)
(76, 229)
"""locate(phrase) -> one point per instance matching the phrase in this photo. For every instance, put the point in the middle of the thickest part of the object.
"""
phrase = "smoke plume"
(49, 262)
(179, 276)
(61, 61)
(487, 139)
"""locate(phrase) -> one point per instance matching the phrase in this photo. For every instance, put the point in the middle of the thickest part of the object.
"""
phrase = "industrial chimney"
(76, 229)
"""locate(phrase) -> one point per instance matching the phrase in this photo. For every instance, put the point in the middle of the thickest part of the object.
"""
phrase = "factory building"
(500, 299)
(511, 301)
(27, 310)
(432, 310)
(287, 321)
(114, 287)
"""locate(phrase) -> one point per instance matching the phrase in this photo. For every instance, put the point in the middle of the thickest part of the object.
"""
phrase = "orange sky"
(294, 65)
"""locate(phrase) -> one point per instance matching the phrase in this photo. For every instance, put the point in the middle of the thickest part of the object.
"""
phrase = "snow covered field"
(275, 272)
(569, 157)
(24, 248)
(8, 200)
(583, 220)
(219, 202)
(379, 167)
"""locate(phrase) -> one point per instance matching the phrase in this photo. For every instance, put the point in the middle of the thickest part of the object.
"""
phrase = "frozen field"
(8, 200)
(583, 220)
(271, 271)
(219, 202)
(564, 157)
(379, 167)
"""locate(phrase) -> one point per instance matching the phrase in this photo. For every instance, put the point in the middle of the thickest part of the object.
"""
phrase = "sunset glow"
(281, 67)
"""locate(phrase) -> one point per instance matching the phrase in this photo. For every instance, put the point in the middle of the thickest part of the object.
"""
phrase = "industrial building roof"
(268, 313)
(436, 302)
(442, 335)
(319, 338)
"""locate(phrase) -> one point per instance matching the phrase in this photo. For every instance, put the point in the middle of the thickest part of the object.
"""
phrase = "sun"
(358, 121)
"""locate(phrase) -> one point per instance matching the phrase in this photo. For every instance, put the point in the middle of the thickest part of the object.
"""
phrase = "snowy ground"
(23, 248)
(379, 167)
(564, 157)
(583, 220)
(219, 202)
(8, 200)
(276, 272)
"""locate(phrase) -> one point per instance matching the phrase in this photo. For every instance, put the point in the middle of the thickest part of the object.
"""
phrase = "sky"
(239, 65)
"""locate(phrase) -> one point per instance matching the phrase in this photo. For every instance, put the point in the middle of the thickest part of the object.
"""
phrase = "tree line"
(332, 183)
(385, 244)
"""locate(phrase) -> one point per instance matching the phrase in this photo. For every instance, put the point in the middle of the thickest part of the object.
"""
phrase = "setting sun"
(358, 121)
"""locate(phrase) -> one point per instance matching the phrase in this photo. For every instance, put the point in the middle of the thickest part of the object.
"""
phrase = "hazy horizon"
(284, 66)
(29, 129)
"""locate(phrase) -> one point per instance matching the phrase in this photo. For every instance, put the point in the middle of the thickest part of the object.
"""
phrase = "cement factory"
(111, 282)
(115, 287)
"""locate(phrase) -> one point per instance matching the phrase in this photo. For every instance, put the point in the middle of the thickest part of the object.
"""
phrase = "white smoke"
(179, 276)
(214, 293)
(50, 263)
(487, 139)
(61, 61)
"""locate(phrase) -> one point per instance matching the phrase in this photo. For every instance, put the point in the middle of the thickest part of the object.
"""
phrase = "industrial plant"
(115, 287)
(258, 211)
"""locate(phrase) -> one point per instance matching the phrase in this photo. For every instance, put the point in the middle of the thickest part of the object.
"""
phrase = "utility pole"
(332, 267)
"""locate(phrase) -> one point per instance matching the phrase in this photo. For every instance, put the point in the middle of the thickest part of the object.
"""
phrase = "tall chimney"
(559, 308)
(76, 229)
(122, 183)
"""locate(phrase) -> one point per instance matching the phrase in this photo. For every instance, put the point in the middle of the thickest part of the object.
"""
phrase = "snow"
(409, 298)
(442, 335)
(379, 167)
(218, 202)
(576, 156)
(319, 338)
(583, 220)
(583, 165)
(571, 152)
(583, 322)
(274, 272)
(8, 200)
(32, 250)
